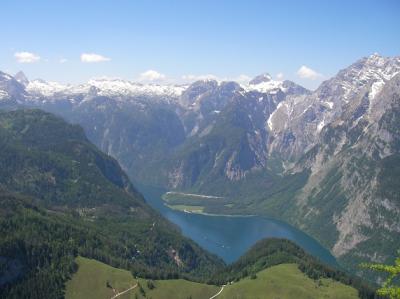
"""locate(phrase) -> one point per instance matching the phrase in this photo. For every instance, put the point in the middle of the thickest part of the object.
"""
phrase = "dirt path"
(217, 294)
(123, 292)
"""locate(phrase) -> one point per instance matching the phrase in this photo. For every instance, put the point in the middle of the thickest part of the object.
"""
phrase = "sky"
(175, 41)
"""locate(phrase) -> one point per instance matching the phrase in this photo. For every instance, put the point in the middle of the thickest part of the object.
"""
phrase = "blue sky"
(181, 40)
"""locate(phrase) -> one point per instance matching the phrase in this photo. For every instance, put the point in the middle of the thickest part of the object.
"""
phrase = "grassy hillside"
(271, 252)
(286, 281)
(282, 281)
(272, 268)
(90, 281)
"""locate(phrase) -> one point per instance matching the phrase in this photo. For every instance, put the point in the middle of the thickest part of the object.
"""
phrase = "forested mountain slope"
(61, 197)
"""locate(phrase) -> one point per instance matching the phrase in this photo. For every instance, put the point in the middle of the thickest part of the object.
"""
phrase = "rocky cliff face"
(297, 123)
(354, 166)
(11, 91)
(226, 133)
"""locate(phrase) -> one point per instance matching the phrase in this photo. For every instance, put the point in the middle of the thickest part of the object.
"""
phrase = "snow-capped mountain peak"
(39, 87)
(375, 59)
(264, 83)
(115, 87)
(104, 86)
(374, 69)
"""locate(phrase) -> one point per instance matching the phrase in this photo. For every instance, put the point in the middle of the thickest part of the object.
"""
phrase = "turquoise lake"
(230, 237)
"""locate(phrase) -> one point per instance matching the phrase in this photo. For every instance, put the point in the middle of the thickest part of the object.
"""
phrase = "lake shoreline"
(230, 236)
(210, 214)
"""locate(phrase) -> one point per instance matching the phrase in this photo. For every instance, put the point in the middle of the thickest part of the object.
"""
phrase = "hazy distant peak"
(265, 77)
(21, 78)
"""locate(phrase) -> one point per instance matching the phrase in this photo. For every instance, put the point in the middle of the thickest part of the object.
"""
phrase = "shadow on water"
(230, 237)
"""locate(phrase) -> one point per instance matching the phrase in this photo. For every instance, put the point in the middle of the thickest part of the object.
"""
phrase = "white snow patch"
(375, 89)
(305, 110)
(3, 94)
(321, 125)
(6, 76)
(269, 121)
(265, 87)
(329, 104)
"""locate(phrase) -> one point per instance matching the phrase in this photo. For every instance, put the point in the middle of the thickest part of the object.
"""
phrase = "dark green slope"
(270, 252)
(43, 156)
(38, 248)
(76, 187)
(140, 134)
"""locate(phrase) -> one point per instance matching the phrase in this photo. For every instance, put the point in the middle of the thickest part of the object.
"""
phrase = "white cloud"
(151, 76)
(26, 57)
(279, 76)
(63, 60)
(92, 58)
(305, 72)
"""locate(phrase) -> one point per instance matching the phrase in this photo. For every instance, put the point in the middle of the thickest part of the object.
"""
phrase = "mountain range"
(73, 225)
(326, 161)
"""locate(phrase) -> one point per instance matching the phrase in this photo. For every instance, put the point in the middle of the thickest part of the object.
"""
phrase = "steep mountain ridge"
(302, 118)
(354, 166)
